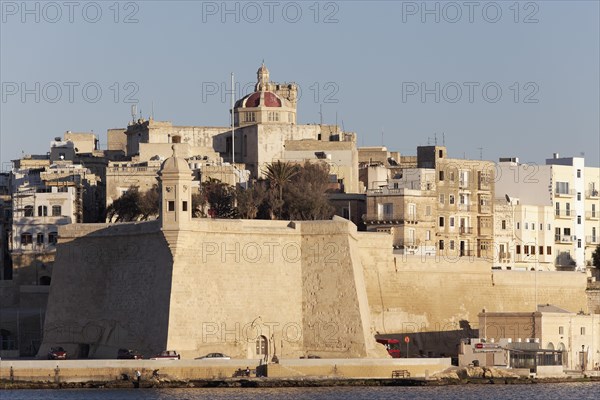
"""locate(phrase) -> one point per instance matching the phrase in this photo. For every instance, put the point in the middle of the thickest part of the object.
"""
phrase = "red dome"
(254, 100)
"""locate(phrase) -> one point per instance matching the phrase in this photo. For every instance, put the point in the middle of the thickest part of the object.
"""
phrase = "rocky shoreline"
(276, 383)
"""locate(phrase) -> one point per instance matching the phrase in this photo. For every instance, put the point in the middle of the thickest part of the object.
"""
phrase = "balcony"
(592, 194)
(465, 230)
(564, 238)
(464, 207)
(564, 193)
(391, 219)
(565, 213)
(485, 209)
(592, 215)
(504, 255)
(592, 240)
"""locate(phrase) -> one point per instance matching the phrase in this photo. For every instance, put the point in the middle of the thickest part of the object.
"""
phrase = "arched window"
(261, 346)
(42, 211)
(56, 211)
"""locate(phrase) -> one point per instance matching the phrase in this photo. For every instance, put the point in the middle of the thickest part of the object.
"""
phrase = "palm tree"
(278, 174)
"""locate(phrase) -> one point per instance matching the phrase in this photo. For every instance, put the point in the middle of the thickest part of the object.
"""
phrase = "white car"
(214, 356)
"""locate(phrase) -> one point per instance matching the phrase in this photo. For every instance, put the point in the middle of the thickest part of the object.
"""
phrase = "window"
(541, 250)
(42, 211)
(184, 206)
(388, 209)
(518, 225)
(579, 220)
(526, 225)
(427, 235)
(562, 187)
(28, 211)
(578, 243)
(52, 238)
(561, 330)
(441, 175)
(549, 227)
(525, 249)
(441, 224)
(452, 222)
(441, 199)
(533, 250)
(171, 206)
(541, 227)
(440, 153)
(533, 226)
(56, 211)
(579, 173)
(441, 245)
(582, 330)
(518, 250)
(578, 196)
(549, 250)
(452, 245)
(451, 199)
(504, 224)
(26, 238)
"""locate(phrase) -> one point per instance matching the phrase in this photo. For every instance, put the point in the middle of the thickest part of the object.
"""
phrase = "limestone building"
(576, 335)
(443, 204)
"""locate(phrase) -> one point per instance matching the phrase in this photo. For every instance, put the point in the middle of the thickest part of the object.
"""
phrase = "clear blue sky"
(373, 58)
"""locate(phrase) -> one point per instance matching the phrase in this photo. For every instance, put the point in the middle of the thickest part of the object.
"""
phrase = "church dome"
(259, 99)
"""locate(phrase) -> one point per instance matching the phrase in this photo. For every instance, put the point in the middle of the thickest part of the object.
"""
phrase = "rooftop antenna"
(233, 121)
(336, 119)
(443, 139)
(133, 112)
(152, 112)
(435, 139)
(321, 113)
(480, 153)
(382, 136)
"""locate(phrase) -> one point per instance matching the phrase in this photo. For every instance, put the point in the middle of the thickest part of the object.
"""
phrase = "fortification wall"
(297, 285)
(431, 294)
(110, 289)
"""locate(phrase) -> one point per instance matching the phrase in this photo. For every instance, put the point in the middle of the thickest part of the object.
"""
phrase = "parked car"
(57, 353)
(126, 354)
(167, 355)
(214, 356)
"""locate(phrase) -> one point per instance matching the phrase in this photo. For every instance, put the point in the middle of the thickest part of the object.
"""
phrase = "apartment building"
(572, 190)
(442, 206)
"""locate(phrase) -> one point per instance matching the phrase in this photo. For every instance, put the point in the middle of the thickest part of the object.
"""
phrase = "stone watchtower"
(176, 191)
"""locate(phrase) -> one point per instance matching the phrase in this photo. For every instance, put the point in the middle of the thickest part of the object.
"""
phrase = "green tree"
(305, 194)
(278, 174)
(596, 257)
(134, 205)
(219, 197)
(249, 200)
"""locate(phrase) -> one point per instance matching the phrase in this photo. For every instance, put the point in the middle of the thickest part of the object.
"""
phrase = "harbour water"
(579, 391)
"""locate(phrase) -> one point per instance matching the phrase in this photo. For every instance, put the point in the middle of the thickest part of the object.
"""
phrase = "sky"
(487, 79)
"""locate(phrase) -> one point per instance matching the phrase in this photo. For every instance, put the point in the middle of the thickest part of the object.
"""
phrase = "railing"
(564, 238)
(568, 193)
(592, 214)
(565, 213)
(592, 239)
(504, 255)
(592, 193)
(465, 230)
(464, 207)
